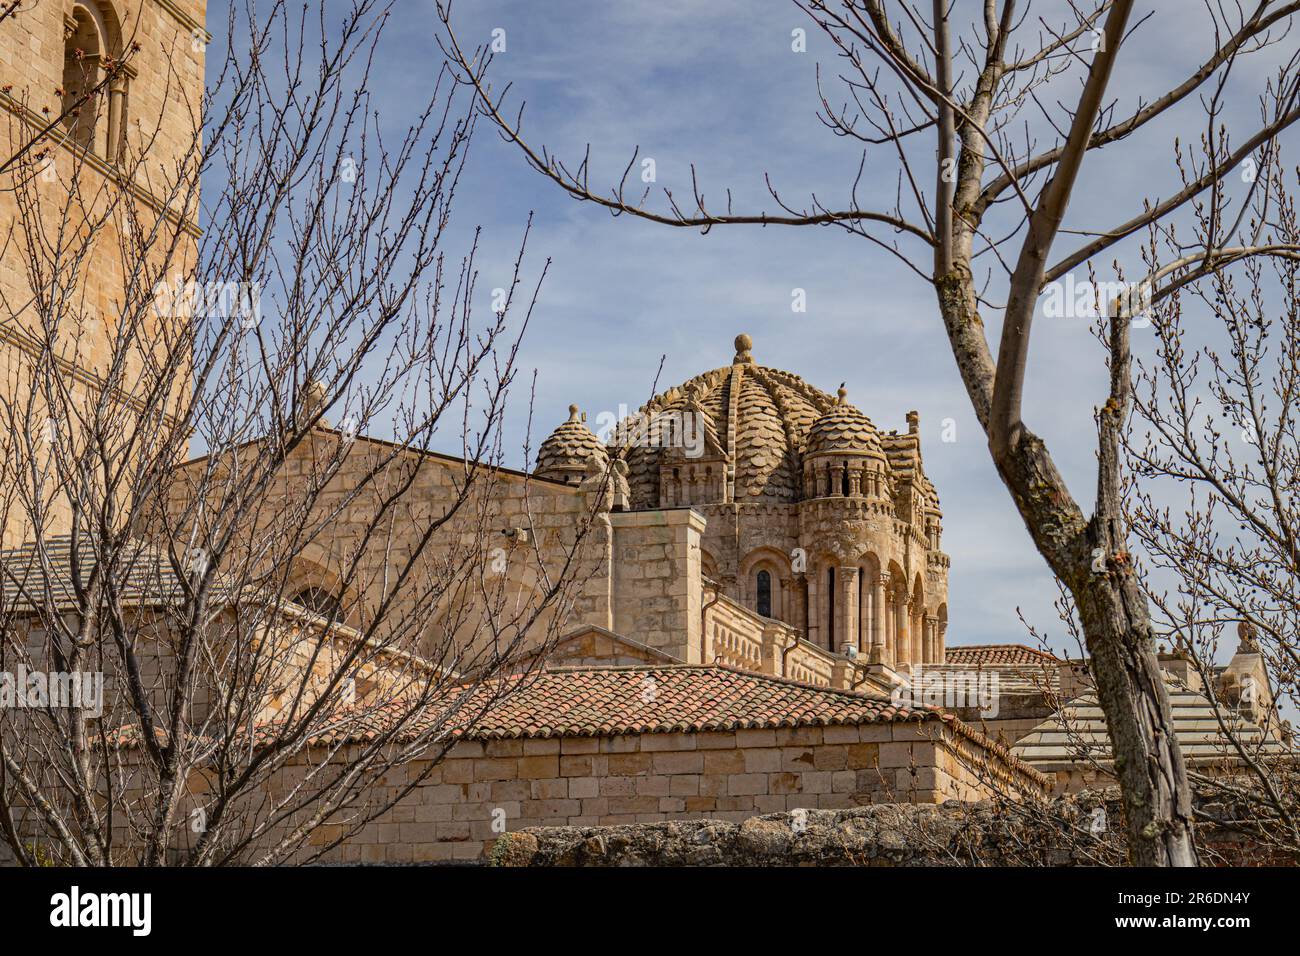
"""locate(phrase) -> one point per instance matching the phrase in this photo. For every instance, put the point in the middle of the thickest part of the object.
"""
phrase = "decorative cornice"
(185, 20)
(18, 338)
(97, 163)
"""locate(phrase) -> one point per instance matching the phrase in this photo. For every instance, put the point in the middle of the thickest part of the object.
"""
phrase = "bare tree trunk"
(1132, 693)
(1117, 627)
(1112, 609)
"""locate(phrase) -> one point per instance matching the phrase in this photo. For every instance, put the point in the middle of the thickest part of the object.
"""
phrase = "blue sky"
(717, 85)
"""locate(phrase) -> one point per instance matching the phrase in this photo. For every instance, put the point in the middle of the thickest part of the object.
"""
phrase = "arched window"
(320, 601)
(92, 55)
(83, 50)
(764, 593)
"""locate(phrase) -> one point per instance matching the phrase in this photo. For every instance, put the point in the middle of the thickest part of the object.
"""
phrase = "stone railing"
(813, 665)
(736, 636)
(733, 635)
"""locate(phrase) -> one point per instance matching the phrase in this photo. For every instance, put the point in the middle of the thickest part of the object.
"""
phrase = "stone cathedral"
(814, 516)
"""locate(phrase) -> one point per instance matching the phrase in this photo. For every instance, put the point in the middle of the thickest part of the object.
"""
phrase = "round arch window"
(764, 590)
(319, 600)
(82, 56)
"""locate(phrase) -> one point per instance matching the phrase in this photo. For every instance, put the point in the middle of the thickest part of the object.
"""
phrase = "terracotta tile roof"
(690, 698)
(1018, 679)
(672, 699)
(974, 655)
(611, 701)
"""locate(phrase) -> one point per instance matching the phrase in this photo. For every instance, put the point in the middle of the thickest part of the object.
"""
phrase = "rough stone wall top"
(950, 834)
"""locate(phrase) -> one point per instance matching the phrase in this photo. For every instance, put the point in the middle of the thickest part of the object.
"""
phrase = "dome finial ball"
(743, 344)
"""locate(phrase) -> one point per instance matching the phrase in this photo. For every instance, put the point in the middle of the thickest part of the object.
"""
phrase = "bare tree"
(1214, 447)
(988, 124)
(246, 713)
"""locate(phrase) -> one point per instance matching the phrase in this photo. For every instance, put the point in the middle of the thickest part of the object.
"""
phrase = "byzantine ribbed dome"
(843, 429)
(756, 417)
(564, 455)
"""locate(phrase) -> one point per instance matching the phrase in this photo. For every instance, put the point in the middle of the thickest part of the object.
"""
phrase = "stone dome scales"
(758, 421)
(843, 430)
(563, 456)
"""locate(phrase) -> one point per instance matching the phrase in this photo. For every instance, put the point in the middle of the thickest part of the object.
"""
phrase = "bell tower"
(102, 108)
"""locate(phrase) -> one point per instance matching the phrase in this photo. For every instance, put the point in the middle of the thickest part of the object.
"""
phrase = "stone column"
(902, 644)
(816, 614)
(866, 588)
(931, 639)
(918, 632)
(116, 129)
(784, 607)
(849, 629)
(881, 651)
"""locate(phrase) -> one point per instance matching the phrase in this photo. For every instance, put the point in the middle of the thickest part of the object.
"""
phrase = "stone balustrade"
(738, 637)
(733, 636)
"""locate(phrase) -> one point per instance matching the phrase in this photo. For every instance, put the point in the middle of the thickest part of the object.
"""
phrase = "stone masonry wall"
(353, 497)
(161, 97)
(656, 584)
(482, 790)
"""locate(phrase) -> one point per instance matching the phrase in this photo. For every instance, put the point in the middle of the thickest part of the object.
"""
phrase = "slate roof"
(33, 576)
(1078, 732)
